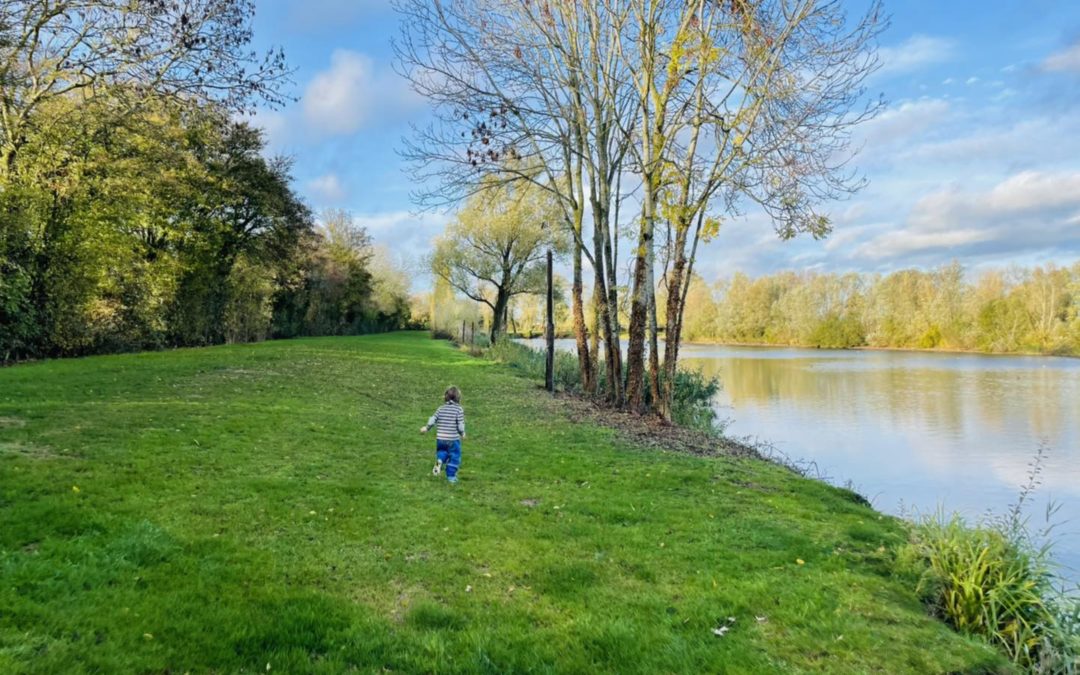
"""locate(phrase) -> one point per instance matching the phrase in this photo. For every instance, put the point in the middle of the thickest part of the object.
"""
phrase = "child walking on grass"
(449, 423)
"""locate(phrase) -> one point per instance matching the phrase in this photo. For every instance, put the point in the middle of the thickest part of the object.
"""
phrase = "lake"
(913, 431)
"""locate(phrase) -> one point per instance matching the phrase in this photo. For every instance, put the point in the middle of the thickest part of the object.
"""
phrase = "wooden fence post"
(549, 369)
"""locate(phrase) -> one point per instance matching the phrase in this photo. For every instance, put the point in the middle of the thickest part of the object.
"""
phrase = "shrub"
(837, 332)
(692, 404)
(994, 581)
(982, 584)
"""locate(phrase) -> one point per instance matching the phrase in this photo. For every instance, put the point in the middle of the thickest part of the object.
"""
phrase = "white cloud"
(1036, 141)
(896, 244)
(327, 188)
(897, 124)
(1033, 190)
(971, 80)
(353, 94)
(1030, 210)
(847, 236)
(404, 231)
(275, 127)
(338, 100)
(948, 80)
(1067, 60)
(917, 52)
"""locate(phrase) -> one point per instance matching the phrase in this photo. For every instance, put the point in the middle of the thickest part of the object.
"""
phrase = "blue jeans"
(449, 453)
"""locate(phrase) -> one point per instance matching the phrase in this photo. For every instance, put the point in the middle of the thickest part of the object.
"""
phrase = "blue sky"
(977, 157)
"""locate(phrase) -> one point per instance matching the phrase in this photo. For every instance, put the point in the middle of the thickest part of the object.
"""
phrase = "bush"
(837, 332)
(982, 584)
(992, 580)
(692, 404)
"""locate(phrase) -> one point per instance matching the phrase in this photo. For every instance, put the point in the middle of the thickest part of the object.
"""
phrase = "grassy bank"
(271, 506)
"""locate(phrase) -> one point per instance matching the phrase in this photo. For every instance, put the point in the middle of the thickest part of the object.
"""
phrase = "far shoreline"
(866, 348)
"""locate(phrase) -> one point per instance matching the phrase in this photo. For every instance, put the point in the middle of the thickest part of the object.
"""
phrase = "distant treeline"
(1013, 310)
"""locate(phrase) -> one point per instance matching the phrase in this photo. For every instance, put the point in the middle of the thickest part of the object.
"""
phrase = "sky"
(976, 157)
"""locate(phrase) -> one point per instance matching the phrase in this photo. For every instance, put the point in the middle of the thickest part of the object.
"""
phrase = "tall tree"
(527, 92)
(705, 105)
(245, 209)
(739, 102)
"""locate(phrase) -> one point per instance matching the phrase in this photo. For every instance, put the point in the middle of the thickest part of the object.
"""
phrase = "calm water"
(914, 430)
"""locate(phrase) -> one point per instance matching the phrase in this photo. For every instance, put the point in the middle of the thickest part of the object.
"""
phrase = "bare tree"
(190, 50)
(524, 92)
(707, 106)
(741, 103)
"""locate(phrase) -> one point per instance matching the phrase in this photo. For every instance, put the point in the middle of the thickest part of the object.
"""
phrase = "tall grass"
(532, 363)
(694, 392)
(997, 579)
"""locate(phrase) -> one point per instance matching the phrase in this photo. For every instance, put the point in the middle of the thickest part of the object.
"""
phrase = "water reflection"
(914, 430)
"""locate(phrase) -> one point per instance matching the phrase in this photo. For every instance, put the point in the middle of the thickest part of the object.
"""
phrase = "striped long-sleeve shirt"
(449, 421)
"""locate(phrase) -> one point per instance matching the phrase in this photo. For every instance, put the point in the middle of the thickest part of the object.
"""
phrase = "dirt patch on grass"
(32, 451)
(531, 503)
(11, 423)
(650, 432)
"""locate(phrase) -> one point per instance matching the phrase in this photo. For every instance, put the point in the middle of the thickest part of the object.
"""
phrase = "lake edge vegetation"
(1016, 310)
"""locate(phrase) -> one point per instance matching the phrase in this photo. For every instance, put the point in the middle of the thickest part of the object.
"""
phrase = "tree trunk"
(654, 346)
(639, 308)
(612, 332)
(7, 162)
(580, 334)
(599, 311)
(498, 313)
(674, 314)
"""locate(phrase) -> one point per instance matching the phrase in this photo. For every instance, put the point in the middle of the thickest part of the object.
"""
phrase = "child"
(449, 421)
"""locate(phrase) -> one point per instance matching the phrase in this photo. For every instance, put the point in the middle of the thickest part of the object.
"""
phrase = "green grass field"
(271, 507)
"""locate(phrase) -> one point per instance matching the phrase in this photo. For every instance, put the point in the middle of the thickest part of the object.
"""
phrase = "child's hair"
(452, 394)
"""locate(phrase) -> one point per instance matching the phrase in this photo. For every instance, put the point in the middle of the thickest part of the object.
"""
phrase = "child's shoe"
(437, 469)
(452, 480)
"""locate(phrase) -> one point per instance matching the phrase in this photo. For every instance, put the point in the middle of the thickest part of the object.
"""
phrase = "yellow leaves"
(75, 489)
(800, 561)
(710, 228)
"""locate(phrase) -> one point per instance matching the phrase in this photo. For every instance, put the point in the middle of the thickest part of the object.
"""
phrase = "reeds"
(997, 579)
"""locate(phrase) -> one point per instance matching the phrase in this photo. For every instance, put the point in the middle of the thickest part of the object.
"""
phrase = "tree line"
(1034, 310)
(138, 210)
(644, 121)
